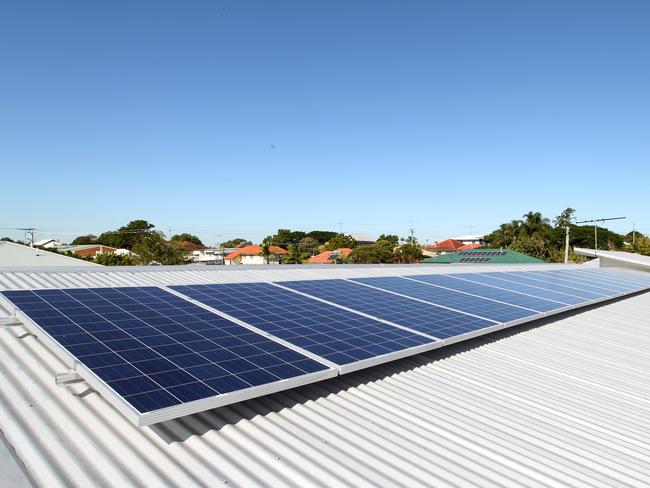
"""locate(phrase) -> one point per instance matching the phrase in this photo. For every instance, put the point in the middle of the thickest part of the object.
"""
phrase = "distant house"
(362, 238)
(471, 239)
(443, 247)
(330, 257)
(207, 256)
(47, 243)
(483, 256)
(87, 250)
(252, 255)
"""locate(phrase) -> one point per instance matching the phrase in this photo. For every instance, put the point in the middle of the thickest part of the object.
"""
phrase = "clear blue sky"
(239, 117)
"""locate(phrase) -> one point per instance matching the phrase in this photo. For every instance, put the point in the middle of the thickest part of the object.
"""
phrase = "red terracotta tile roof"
(189, 246)
(326, 256)
(468, 247)
(254, 251)
(448, 245)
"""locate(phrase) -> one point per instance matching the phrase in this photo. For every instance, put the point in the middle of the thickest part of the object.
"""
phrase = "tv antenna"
(595, 222)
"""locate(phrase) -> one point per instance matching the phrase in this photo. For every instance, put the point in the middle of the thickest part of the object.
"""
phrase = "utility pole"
(633, 235)
(340, 227)
(566, 245)
(595, 222)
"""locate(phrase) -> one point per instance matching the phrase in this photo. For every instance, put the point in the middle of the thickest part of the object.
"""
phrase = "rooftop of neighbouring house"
(483, 256)
(18, 255)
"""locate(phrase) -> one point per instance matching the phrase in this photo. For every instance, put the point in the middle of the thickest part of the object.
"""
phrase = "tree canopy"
(534, 235)
(236, 242)
(339, 241)
(187, 237)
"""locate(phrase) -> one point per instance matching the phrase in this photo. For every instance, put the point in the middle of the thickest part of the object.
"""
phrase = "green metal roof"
(483, 256)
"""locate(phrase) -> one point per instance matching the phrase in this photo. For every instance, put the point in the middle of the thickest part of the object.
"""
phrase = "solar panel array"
(162, 352)
(482, 253)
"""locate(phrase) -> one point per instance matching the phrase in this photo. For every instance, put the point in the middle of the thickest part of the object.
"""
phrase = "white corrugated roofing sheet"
(14, 255)
(562, 402)
(617, 258)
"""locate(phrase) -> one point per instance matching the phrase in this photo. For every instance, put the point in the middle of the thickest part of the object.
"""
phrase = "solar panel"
(595, 278)
(506, 296)
(159, 355)
(545, 277)
(423, 317)
(557, 287)
(627, 277)
(504, 284)
(345, 338)
(484, 308)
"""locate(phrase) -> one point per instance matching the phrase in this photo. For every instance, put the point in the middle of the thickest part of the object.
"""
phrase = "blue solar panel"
(482, 307)
(155, 349)
(555, 287)
(337, 335)
(623, 276)
(594, 278)
(520, 288)
(509, 297)
(429, 319)
(544, 277)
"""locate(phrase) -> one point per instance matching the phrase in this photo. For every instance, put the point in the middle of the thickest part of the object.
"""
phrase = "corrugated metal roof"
(102, 276)
(554, 403)
(617, 258)
(12, 254)
(509, 257)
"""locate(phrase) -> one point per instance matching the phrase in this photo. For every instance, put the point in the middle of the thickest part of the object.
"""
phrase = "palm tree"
(534, 222)
(266, 250)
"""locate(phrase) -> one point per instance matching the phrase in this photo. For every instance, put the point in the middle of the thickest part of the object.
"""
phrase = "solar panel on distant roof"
(157, 351)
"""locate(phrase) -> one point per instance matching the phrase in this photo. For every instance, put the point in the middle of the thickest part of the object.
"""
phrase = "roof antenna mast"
(595, 222)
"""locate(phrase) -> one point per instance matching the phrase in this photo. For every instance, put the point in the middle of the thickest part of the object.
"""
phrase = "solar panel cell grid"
(510, 297)
(429, 319)
(156, 349)
(484, 308)
(337, 335)
(557, 287)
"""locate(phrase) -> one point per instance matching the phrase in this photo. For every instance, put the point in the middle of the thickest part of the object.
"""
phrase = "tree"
(7, 239)
(339, 241)
(376, 253)
(408, 253)
(126, 236)
(285, 237)
(236, 242)
(187, 237)
(266, 250)
(534, 223)
(116, 259)
(322, 236)
(565, 218)
(392, 239)
(308, 245)
(294, 256)
(85, 239)
(152, 248)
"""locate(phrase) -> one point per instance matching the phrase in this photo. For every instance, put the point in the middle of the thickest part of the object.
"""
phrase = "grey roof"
(562, 401)
(18, 255)
(617, 258)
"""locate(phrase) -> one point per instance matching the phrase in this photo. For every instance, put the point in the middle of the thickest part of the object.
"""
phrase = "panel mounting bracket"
(10, 321)
(67, 378)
